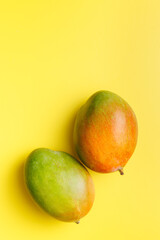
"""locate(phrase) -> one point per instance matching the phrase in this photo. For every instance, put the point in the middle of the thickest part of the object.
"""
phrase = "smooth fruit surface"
(105, 132)
(59, 184)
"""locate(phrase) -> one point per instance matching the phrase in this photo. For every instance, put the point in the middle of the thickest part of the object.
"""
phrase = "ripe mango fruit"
(59, 184)
(105, 132)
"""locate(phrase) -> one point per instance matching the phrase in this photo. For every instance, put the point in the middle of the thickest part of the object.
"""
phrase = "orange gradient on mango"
(105, 133)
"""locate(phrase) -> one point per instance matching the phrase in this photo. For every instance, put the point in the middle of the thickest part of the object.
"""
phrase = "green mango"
(60, 184)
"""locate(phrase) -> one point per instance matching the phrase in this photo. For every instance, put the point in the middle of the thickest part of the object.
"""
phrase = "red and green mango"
(105, 132)
(59, 184)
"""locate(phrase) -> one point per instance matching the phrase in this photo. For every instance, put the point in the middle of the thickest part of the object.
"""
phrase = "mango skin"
(59, 184)
(105, 132)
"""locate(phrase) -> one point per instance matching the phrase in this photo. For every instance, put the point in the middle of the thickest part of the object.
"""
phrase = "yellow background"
(53, 56)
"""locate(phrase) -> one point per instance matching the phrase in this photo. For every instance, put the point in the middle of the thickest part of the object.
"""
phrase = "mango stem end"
(121, 171)
(77, 222)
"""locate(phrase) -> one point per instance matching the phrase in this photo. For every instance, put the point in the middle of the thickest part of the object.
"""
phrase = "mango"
(105, 132)
(59, 184)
